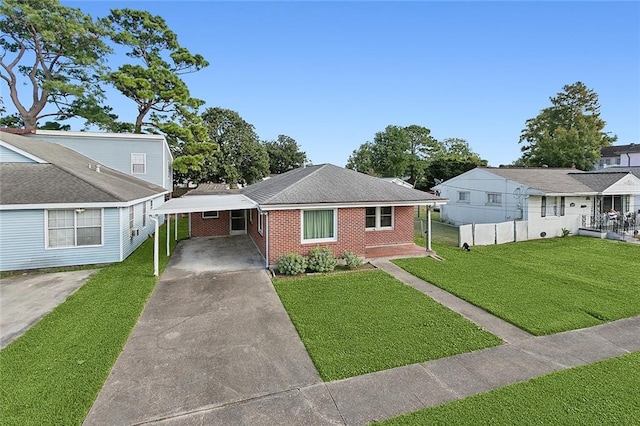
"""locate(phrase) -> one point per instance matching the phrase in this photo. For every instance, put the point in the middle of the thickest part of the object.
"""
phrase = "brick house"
(321, 205)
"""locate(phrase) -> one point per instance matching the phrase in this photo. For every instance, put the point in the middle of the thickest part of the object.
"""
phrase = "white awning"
(205, 203)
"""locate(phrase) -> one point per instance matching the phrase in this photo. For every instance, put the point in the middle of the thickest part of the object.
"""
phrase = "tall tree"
(155, 83)
(396, 152)
(284, 154)
(569, 133)
(242, 158)
(55, 54)
(360, 159)
(456, 157)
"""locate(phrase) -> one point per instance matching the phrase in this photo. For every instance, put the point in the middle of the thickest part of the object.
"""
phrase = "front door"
(238, 222)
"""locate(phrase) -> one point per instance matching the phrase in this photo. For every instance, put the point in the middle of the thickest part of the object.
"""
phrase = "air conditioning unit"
(135, 232)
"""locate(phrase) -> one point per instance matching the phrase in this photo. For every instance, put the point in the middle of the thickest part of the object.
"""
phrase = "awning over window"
(204, 203)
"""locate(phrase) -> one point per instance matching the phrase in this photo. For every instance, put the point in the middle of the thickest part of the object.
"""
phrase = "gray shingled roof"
(598, 181)
(66, 178)
(634, 170)
(327, 184)
(615, 150)
(547, 180)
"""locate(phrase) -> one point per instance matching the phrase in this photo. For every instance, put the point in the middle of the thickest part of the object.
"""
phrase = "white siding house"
(547, 199)
(143, 156)
(619, 155)
(57, 210)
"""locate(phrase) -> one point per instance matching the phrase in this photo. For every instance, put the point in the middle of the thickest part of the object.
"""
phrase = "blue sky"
(332, 74)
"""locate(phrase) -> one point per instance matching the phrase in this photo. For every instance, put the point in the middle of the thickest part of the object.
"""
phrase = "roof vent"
(98, 168)
(89, 166)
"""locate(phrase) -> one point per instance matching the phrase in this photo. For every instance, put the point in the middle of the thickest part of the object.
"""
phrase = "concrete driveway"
(205, 339)
(25, 299)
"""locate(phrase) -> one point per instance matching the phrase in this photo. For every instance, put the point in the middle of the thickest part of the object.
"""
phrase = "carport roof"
(203, 203)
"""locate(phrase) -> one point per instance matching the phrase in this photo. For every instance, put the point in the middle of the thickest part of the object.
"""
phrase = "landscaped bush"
(292, 264)
(321, 260)
(351, 259)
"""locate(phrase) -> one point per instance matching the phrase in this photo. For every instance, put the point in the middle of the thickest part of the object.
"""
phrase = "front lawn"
(604, 393)
(53, 373)
(542, 286)
(360, 322)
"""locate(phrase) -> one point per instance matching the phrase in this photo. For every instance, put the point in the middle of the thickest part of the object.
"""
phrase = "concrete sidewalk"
(385, 394)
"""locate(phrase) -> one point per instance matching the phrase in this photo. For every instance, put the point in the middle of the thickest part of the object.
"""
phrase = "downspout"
(154, 218)
(266, 239)
(628, 160)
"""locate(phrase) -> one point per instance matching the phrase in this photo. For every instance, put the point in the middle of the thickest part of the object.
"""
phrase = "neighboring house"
(143, 156)
(321, 205)
(60, 208)
(619, 155)
(548, 199)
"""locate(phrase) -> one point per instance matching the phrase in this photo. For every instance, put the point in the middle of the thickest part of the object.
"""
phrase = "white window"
(213, 214)
(379, 217)
(250, 216)
(319, 226)
(138, 163)
(144, 214)
(72, 228)
(464, 196)
(260, 224)
(494, 198)
(550, 206)
(132, 217)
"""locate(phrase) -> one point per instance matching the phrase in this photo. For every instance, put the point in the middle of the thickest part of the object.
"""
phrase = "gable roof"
(634, 170)
(64, 177)
(598, 181)
(615, 150)
(329, 184)
(547, 180)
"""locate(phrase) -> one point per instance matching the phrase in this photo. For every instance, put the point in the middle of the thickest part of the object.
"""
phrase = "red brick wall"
(285, 233)
(252, 230)
(210, 227)
(401, 233)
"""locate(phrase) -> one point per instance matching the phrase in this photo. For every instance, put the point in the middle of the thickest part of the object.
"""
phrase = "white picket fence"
(484, 234)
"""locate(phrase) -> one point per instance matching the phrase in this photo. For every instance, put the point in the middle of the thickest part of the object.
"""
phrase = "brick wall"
(401, 233)
(252, 230)
(210, 227)
(285, 233)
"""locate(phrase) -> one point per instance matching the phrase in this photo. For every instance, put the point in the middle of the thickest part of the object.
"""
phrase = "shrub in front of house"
(351, 260)
(321, 259)
(292, 264)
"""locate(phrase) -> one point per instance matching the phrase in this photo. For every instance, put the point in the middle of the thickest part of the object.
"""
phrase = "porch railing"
(627, 224)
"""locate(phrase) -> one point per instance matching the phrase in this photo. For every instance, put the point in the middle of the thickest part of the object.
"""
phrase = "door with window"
(238, 222)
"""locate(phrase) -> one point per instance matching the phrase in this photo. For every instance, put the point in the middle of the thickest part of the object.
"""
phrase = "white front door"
(238, 222)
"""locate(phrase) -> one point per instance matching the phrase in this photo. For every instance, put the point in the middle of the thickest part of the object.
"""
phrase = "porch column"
(168, 232)
(429, 228)
(175, 227)
(155, 246)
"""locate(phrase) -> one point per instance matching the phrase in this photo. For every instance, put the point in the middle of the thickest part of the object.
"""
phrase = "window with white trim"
(213, 214)
(132, 217)
(73, 228)
(138, 163)
(494, 198)
(379, 217)
(144, 214)
(464, 196)
(260, 224)
(549, 206)
(319, 225)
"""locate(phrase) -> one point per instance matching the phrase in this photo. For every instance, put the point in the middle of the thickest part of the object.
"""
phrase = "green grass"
(441, 233)
(53, 373)
(604, 393)
(360, 322)
(543, 286)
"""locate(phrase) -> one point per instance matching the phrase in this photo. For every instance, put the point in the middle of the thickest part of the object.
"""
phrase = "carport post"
(429, 228)
(168, 232)
(175, 227)
(155, 245)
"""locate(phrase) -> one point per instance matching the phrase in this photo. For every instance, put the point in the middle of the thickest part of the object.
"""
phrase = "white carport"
(193, 204)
